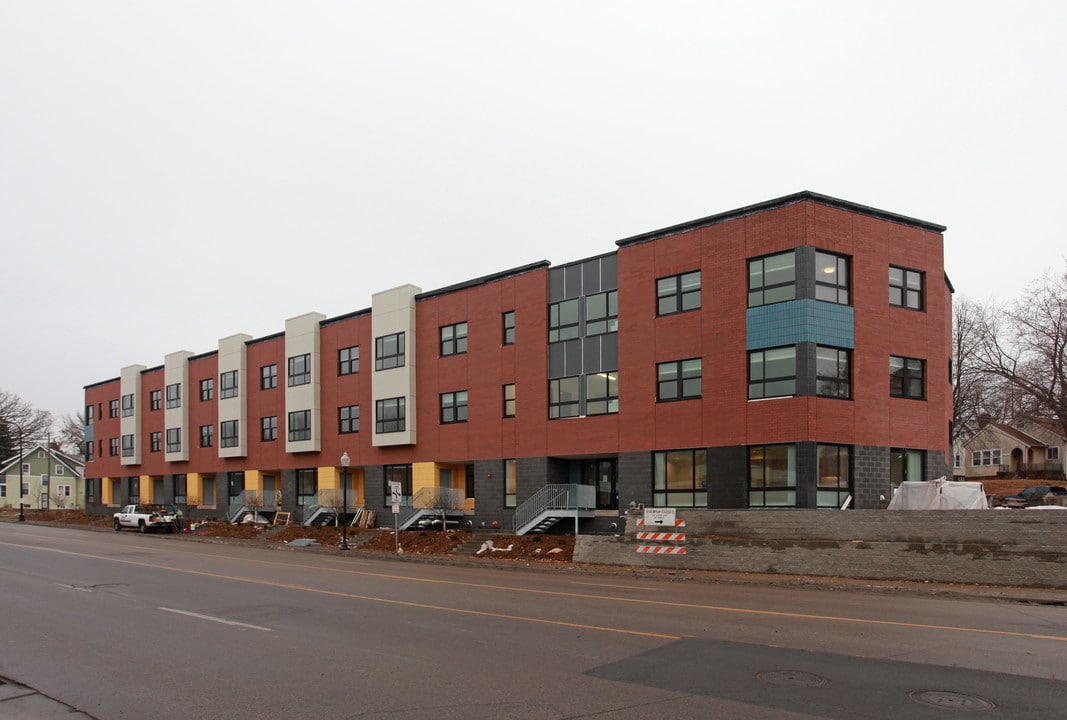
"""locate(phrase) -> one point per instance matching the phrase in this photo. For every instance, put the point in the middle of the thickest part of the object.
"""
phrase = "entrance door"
(270, 498)
(601, 475)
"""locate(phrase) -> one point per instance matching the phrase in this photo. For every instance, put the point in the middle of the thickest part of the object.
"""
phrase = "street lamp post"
(345, 460)
(22, 512)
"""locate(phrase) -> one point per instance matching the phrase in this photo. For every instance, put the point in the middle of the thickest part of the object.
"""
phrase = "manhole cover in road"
(791, 678)
(948, 700)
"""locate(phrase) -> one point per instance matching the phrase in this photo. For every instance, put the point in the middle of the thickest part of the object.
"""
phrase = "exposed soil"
(543, 548)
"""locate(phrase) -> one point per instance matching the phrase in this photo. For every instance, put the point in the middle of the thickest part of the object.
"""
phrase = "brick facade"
(720, 419)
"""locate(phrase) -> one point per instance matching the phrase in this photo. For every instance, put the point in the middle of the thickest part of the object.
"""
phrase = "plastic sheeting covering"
(939, 494)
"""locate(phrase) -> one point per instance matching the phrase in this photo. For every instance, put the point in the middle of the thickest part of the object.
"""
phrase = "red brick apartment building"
(795, 353)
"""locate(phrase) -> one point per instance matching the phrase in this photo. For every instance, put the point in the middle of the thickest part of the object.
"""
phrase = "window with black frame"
(772, 476)
(299, 370)
(678, 293)
(228, 384)
(389, 351)
(772, 279)
(835, 475)
(680, 478)
(833, 372)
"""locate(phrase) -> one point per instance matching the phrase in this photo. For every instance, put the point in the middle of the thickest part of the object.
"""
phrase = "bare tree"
(17, 414)
(71, 434)
(970, 386)
(1025, 346)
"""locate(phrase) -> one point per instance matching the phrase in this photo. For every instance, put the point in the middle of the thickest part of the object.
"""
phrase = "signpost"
(394, 497)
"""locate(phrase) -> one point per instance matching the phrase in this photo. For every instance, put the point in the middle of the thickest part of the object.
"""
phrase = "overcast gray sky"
(172, 173)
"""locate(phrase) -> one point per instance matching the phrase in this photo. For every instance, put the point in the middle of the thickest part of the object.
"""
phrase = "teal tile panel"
(799, 321)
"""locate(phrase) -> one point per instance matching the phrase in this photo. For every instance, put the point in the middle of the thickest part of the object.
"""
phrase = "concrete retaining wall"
(996, 547)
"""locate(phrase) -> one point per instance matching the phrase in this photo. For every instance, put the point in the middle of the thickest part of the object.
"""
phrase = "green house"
(51, 480)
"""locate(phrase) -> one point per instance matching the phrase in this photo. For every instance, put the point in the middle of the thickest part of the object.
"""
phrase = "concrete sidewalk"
(19, 702)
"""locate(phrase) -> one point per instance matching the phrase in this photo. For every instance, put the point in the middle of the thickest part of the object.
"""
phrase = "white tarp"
(939, 494)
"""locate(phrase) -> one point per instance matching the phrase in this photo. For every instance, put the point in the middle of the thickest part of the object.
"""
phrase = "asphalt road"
(132, 626)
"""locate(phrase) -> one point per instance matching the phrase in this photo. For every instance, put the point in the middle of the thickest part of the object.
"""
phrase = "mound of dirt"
(416, 542)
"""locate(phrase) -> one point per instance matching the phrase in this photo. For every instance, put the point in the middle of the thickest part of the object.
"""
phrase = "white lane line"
(217, 619)
(609, 585)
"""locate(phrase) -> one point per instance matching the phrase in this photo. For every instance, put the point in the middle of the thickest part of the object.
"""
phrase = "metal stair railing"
(554, 497)
(326, 501)
(252, 500)
(439, 498)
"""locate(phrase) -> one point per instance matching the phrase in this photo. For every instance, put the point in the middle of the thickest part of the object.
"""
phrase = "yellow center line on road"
(557, 593)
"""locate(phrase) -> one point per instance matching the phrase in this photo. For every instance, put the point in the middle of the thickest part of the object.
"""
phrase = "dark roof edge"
(774, 204)
(484, 280)
(102, 382)
(339, 318)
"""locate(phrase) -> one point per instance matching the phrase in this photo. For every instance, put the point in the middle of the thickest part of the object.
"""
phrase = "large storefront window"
(680, 478)
(834, 475)
(772, 476)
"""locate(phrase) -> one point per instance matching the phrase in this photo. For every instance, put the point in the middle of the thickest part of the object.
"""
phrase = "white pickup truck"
(144, 518)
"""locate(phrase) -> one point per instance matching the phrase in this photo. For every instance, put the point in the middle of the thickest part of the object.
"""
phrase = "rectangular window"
(89, 451)
(509, 400)
(906, 288)
(772, 476)
(300, 425)
(772, 279)
(831, 278)
(299, 370)
(58, 470)
(679, 379)
(678, 293)
(155, 442)
(453, 339)
(399, 474)
(268, 377)
(127, 446)
(563, 398)
(833, 372)
(1052, 453)
(268, 428)
(181, 489)
(155, 400)
(207, 435)
(509, 327)
(834, 476)
(389, 351)
(907, 377)
(772, 373)
(307, 486)
(454, 407)
(602, 393)
(207, 389)
(113, 447)
(228, 433)
(174, 396)
(563, 320)
(113, 408)
(348, 419)
(348, 360)
(389, 415)
(228, 384)
(89, 410)
(957, 460)
(986, 458)
(511, 484)
(174, 440)
(906, 466)
(127, 405)
(680, 478)
(602, 313)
